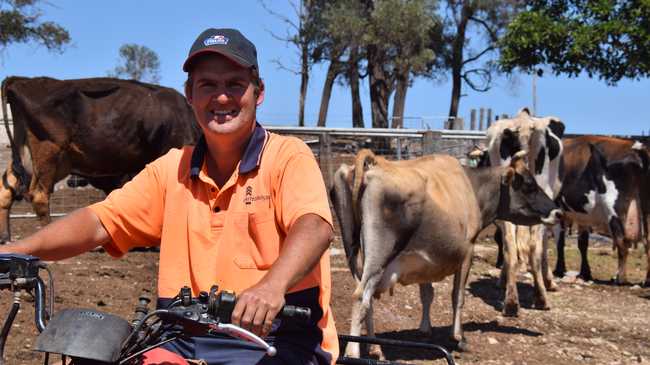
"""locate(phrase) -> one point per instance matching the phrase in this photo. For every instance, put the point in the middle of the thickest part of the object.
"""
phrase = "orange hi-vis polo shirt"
(228, 236)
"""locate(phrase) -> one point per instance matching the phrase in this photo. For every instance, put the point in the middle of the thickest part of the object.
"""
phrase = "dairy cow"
(541, 138)
(416, 221)
(605, 188)
(100, 128)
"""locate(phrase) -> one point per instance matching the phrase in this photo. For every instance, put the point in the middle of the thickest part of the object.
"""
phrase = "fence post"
(398, 145)
(459, 124)
(472, 119)
(430, 141)
(325, 158)
(489, 117)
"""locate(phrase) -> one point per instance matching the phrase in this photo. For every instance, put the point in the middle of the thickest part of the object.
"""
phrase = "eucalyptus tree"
(20, 22)
(137, 63)
(305, 30)
(472, 62)
(344, 28)
(608, 39)
(394, 43)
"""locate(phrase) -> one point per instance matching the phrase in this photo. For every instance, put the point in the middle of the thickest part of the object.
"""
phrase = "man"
(245, 209)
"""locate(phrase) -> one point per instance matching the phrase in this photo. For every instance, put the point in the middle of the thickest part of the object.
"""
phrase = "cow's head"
(522, 201)
(540, 137)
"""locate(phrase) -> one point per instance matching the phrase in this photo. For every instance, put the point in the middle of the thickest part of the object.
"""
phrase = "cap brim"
(238, 60)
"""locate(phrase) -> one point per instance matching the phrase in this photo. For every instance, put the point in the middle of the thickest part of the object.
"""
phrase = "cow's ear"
(509, 144)
(557, 127)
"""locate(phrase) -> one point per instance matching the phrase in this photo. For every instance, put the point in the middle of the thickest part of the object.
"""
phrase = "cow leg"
(560, 265)
(535, 262)
(362, 312)
(583, 245)
(509, 271)
(374, 350)
(7, 190)
(623, 250)
(549, 283)
(353, 348)
(646, 283)
(458, 300)
(498, 238)
(426, 298)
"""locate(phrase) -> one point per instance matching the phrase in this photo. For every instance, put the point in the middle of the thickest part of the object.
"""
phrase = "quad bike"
(90, 337)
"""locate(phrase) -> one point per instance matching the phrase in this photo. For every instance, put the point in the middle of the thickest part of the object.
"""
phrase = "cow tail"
(17, 167)
(364, 158)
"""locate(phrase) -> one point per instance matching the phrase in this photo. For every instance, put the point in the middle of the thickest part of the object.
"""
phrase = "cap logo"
(216, 39)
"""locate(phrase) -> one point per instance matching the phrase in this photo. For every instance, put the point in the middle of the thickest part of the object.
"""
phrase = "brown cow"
(100, 128)
(416, 221)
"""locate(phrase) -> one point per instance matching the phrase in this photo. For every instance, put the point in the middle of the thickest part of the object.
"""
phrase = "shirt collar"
(249, 162)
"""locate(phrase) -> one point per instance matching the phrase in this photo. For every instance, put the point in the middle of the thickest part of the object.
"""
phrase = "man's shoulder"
(286, 146)
(175, 158)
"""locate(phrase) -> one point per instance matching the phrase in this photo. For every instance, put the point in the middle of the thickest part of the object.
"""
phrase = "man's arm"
(306, 242)
(74, 234)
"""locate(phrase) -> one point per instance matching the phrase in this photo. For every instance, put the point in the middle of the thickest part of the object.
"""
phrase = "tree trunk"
(457, 59)
(304, 82)
(379, 89)
(332, 72)
(399, 100)
(353, 77)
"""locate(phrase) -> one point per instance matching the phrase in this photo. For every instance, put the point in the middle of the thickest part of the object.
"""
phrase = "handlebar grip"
(296, 314)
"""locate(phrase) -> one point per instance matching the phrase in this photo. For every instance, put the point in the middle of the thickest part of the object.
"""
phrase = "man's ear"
(507, 176)
(188, 93)
(260, 96)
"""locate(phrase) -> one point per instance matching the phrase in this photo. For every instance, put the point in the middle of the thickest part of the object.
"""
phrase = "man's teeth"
(223, 112)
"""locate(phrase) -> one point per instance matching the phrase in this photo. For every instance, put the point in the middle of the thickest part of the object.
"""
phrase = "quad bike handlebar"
(71, 332)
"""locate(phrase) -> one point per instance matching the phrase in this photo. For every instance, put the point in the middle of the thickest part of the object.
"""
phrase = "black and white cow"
(604, 188)
(541, 138)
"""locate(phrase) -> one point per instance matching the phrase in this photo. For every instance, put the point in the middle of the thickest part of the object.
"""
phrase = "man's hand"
(306, 241)
(257, 307)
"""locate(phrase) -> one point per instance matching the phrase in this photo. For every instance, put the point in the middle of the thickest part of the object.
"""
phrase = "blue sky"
(98, 29)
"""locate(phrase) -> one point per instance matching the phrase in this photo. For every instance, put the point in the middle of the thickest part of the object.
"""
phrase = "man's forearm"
(76, 233)
(308, 239)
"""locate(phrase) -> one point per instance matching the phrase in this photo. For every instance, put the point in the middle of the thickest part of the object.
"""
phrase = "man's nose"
(222, 96)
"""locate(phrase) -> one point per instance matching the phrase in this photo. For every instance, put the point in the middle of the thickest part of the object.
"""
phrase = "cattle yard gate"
(331, 147)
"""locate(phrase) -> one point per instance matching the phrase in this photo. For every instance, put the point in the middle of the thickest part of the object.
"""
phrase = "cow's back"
(105, 126)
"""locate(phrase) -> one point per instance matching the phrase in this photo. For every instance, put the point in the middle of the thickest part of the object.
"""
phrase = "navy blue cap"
(227, 42)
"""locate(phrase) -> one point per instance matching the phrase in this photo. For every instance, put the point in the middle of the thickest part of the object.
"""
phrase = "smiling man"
(245, 209)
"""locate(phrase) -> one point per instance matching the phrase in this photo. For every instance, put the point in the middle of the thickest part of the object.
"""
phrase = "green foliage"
(605, 38)
(139, 63)
(20, 23)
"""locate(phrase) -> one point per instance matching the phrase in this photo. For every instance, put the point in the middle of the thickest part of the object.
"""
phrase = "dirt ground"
(589, 323)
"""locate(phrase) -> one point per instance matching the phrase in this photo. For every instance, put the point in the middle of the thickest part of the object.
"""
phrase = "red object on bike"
(159, 356)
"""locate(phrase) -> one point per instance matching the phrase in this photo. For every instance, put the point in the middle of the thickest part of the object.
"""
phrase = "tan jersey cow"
(415, 222)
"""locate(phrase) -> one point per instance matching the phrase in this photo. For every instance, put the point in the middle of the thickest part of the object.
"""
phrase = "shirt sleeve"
(133, 214)
(301, 188)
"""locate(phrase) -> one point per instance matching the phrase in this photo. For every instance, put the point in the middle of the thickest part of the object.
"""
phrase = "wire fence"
(331, 147)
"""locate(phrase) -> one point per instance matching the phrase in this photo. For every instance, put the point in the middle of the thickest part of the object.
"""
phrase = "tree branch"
(478, 55)
(491, 32)
(484, 74)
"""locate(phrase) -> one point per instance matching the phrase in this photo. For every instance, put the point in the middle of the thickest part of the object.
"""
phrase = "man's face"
(223, 96)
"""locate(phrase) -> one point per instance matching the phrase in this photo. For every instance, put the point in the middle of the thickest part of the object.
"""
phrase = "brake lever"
(238, 332)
